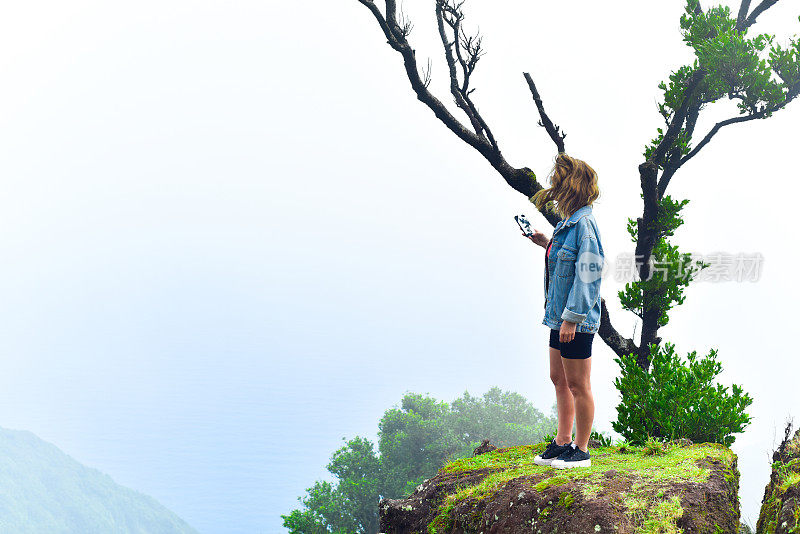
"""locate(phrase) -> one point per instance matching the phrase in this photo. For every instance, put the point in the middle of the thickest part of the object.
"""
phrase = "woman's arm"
(585, 288)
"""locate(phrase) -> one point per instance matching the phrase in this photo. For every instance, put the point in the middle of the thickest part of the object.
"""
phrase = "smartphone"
(524, 225)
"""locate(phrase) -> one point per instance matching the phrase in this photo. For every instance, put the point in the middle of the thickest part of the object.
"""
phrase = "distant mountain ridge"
(42, 489)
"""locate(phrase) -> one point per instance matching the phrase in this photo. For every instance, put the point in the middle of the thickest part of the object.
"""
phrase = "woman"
(573, 266)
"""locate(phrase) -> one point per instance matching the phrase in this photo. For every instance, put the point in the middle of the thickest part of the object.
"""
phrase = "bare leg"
(566, 407)
(578, 373)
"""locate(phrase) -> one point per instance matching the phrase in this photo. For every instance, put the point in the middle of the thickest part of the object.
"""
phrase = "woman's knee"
(558, 378)
(579, 388)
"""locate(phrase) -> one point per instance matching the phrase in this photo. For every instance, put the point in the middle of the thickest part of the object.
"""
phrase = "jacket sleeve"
(585, 288)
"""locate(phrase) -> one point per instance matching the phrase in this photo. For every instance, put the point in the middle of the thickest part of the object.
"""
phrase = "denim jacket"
(574, 273)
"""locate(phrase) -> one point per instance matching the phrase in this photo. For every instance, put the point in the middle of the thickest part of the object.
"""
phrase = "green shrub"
(673, 400)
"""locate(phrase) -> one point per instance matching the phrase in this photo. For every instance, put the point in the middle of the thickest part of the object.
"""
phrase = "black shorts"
(579, 348)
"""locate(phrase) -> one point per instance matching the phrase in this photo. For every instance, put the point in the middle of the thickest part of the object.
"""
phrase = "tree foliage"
(415, 439)
(762, 74)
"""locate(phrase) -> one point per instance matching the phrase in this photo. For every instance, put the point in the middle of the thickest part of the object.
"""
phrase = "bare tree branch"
(521, 179)
(474, 51)
(713, 132)
(369, 4)
(552, 129)
(450, 13)
(451, 64)
(742, 17)
(391, 8)
(467, 52)
(404, 24)
(760, 8)
(619, 344)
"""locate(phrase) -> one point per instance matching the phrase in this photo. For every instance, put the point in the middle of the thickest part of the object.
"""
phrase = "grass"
(657, 465)
(514, 462)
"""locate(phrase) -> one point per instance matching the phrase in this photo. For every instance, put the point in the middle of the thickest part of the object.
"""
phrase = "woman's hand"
(538, 237)
(567, 332)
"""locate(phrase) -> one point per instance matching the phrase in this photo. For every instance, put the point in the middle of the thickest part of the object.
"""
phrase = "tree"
(423, 434)
(762, 75)
(351, 505)
(415, 439)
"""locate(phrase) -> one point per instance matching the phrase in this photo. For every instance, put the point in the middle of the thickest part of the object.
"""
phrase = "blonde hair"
(573, 184)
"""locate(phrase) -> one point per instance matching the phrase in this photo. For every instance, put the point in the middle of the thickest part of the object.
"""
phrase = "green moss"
(566, 499)
(769, 513)
(655, 516)
(788, 475)
(663, 516)
(730, 474)
(514, 462)
(544, 513)
(497, 459)
(551, 481)
(591, 490)
(636, 506)
(796, 519)
(442, 522)
(645, 500)
(792, 479)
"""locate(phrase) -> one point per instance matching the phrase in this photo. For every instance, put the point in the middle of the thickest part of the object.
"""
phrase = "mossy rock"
(780, 507)
(687, 489)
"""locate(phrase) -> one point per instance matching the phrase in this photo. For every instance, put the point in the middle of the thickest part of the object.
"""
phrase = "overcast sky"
(232, 236)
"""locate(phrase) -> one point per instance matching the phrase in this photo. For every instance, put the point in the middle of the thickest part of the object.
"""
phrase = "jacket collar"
(572, 219)
(580, 212)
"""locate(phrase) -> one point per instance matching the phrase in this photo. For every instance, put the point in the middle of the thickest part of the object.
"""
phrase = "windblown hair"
(573, 184)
